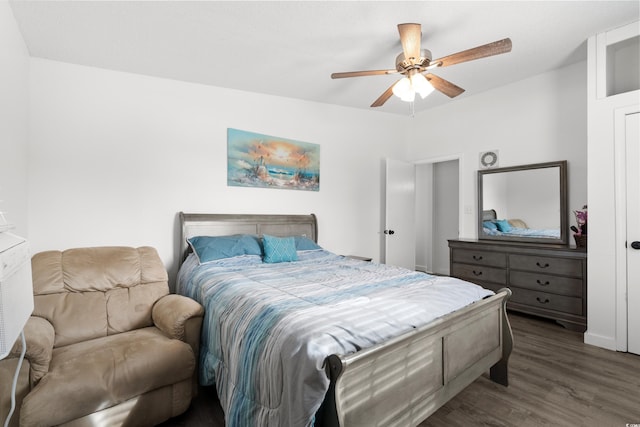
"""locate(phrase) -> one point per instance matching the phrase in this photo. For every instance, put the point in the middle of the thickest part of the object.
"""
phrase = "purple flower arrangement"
(580, 232)
(581, 220)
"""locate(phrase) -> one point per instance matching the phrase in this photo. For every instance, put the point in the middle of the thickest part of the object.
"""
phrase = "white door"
(400, 241)
(632, 139)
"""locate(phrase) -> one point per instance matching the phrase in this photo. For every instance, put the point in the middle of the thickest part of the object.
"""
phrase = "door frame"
(461, 169)
(463, 209)
(620, 222)
(459, 157)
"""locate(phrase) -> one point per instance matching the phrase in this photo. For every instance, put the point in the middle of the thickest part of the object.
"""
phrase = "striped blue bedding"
(553, 233)
(269, 327)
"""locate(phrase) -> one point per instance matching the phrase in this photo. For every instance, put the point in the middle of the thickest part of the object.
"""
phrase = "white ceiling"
(290, 48)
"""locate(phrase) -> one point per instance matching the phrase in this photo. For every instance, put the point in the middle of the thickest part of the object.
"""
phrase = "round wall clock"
(489, 159)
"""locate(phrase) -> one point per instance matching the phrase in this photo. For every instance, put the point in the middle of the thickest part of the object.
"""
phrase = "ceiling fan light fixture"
(407, 87)
(421, 85)
(403, 90)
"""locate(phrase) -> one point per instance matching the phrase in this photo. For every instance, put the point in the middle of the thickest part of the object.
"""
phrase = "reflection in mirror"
(523, 203)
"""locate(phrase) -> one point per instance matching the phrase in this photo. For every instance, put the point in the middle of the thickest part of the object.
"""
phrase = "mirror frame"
(564, 221)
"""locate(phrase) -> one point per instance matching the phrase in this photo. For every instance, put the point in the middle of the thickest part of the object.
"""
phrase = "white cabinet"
(16, 289)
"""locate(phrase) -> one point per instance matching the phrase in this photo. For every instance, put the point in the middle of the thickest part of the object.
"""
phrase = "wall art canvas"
(256, 160)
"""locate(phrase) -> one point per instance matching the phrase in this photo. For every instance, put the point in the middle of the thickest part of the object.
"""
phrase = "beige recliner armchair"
(106, 344)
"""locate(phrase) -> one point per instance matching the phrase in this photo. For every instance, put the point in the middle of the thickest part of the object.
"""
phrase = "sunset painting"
(255, 160)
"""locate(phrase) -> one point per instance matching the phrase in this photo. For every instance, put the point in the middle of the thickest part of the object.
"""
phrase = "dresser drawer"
(546, 283)
(479, 273)
(466, 256)
(564, 304)
(549, 265)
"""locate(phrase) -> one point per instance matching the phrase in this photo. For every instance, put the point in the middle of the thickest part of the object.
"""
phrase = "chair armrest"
(171, 313)
(39, 336)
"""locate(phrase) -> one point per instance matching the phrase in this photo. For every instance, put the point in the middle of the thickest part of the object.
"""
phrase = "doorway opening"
(437, 213)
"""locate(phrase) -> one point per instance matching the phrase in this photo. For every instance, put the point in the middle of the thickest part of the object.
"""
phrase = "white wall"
(495, 194)
(540, 119)
(538, 205)
(14, 121)
(115, 156)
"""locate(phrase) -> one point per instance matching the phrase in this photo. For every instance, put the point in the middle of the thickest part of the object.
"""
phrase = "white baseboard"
(422, 268)
(608, 343)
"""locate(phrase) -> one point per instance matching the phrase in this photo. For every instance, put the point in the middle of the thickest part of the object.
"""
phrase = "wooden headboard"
(195, 224)
(489, 215)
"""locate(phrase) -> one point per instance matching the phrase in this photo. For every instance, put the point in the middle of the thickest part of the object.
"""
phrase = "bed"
(394, 380)
(513, 227)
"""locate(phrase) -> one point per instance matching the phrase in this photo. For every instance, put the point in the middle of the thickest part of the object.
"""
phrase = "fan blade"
(362, 73)
(444, 86)
(384, 97)
(490, 49)
(410, 35)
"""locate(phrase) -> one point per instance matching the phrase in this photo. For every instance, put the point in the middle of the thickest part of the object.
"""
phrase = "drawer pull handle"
(541, 265)
(543, 284)
(477, 273)
(546, 300)
(477, 257)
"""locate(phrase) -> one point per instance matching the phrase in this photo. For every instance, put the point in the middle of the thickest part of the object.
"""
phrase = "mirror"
(525, 203)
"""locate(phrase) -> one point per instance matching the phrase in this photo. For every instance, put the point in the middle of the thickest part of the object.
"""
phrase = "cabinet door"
(633, 232)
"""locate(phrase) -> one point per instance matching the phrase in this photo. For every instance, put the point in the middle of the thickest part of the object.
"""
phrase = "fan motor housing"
(403, 65)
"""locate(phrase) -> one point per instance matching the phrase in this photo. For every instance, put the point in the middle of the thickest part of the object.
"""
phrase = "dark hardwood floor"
(555, 380)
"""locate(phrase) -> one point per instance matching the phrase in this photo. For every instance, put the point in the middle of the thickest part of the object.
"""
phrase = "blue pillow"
(305, 244)
(503, 225)
(490, 225)
(279, 249)
(211, 248)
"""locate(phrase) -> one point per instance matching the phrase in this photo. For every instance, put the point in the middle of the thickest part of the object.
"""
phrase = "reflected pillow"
(490, 225)
(211, 248)
(517, 223)
(503, 225)
(305, 244)
(279, 249)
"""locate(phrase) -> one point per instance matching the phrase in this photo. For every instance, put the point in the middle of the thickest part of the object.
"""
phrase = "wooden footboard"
(403, 381)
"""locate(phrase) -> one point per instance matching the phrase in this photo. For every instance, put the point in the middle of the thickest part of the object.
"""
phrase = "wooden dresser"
(546, 280)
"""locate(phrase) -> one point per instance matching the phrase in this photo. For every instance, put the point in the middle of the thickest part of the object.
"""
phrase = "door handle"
(635, 245)
(389, 232)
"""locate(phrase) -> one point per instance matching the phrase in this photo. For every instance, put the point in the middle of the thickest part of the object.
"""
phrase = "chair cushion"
(88, 293)
(103, 372)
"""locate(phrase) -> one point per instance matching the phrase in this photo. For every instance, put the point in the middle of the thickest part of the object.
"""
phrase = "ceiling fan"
(414, 61)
